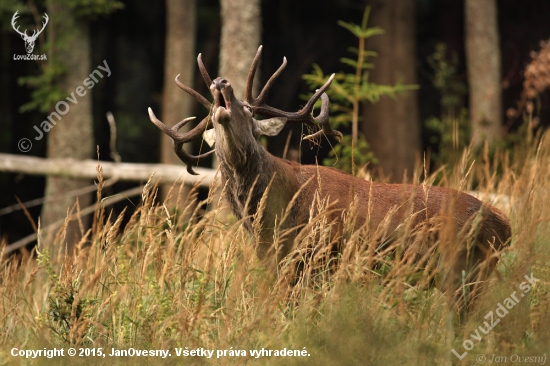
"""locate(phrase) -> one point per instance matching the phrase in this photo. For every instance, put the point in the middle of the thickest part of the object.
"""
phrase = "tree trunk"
(179, 59)
(392, 126)
(72, 136)
(240, 39)
(484, 69)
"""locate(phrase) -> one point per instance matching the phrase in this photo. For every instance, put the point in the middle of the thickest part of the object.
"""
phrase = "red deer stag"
(247, 169)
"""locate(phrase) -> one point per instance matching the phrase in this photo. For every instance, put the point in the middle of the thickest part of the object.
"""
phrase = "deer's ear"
(209, 136)
(271, 126)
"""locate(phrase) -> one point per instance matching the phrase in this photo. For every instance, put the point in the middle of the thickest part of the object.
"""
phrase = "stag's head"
(235, 130)
(29, 40)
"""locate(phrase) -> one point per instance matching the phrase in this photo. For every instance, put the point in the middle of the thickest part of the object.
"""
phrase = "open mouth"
(221, 102)
(222, 113)
(222, 93)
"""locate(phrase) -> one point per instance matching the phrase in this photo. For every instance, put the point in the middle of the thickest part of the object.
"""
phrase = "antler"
(24, 34)
(43, 26)
(304, 115)
(13, 19)
(181, 138)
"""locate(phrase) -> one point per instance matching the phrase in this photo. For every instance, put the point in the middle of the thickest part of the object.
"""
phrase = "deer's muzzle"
(222, 92)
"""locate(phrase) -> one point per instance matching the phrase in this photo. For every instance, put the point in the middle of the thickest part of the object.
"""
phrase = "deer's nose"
(220, 83)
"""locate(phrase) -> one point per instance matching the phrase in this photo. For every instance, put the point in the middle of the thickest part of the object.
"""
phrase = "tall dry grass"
(171, 279)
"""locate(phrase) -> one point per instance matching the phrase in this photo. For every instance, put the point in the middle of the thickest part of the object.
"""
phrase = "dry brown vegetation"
(165, 282)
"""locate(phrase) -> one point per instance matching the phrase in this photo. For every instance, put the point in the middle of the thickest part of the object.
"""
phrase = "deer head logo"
(29, 40)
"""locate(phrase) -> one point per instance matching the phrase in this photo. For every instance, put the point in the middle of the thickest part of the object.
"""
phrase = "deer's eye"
(249, 108)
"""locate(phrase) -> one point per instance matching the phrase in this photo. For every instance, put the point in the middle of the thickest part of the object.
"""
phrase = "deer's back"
(401, 202)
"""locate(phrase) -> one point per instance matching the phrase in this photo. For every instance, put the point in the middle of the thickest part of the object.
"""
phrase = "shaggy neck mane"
(254, 164)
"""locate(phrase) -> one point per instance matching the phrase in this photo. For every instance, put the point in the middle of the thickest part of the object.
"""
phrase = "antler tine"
(306, 110)
(204, 73)
(250, 79)
(323, 121)
(263, 94)
(13, 19)
(179, 139)
(43, 24)
(194, 93)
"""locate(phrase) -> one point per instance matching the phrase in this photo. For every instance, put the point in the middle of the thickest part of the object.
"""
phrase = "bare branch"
(86, 169)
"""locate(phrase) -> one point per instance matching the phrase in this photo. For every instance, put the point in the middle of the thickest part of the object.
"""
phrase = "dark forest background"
(132, 39)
